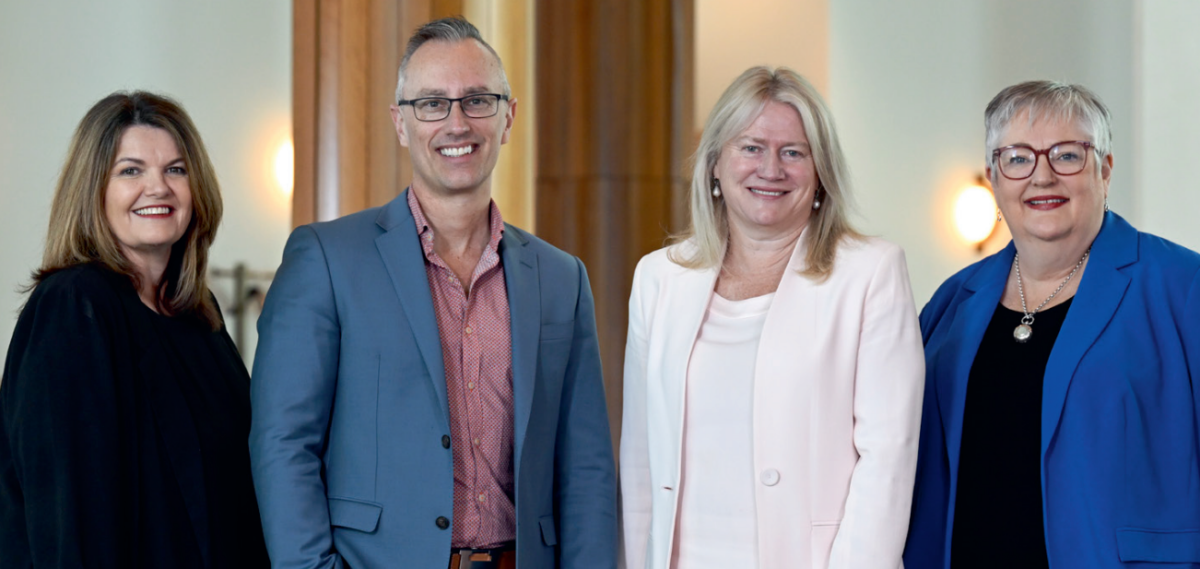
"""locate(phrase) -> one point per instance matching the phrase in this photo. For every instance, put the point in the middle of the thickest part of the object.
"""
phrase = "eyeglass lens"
(1065, 159)
(474, 106)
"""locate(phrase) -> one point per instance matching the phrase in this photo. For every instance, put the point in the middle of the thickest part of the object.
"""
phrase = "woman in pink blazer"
(774, 369)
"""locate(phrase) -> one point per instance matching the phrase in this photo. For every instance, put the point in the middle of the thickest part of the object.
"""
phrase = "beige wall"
(1167, 132)
(731, 38)
(227, 61)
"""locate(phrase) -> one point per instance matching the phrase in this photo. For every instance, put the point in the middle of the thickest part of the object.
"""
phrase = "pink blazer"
(837, 406)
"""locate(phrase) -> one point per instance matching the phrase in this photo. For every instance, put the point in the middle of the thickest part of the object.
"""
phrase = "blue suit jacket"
(349, 403)
(1120, 464)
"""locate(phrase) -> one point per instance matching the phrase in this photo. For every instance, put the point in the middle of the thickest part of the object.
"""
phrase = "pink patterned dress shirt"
(473, 323)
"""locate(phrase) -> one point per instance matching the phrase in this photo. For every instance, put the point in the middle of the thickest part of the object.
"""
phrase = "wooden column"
(345, 56)
(614, 90)
(507, 25)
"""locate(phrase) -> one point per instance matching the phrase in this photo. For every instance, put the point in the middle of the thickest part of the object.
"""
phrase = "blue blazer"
(349, 408)
(1120, 449)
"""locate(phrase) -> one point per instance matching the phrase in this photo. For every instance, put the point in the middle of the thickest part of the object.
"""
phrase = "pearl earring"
(816, 204)
(1106, 204)
(716, 186)
(998, 218)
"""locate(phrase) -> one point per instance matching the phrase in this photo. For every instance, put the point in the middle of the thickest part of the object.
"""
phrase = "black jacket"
(105, 459)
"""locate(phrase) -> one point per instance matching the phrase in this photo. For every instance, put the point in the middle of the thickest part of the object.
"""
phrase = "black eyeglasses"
(1066, 158)
(477, 106)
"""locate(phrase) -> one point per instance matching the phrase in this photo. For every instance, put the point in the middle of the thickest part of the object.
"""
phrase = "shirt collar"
(425, 231)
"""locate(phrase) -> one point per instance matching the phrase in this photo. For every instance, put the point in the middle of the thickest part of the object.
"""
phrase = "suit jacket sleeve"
(1190, 326)
(65, 482)
(291, 396)
(887, 413)
(635, 447)
(586, 489)
(926, 541)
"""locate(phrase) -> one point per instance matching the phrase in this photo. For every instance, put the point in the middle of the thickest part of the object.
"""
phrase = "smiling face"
(767, 175)
(1048, 206)
(148, 203)
(457, 154)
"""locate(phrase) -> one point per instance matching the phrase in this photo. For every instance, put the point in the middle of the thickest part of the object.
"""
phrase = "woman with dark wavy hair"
(124, 406)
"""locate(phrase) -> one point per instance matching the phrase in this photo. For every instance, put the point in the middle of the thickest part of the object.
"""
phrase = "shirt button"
(445, 441)
(468, 329)
(482, 497)
(442, 522)
(476, 441)
(770, 477)
(471, 385)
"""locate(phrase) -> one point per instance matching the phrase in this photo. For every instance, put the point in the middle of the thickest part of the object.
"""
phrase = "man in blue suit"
(427, 389)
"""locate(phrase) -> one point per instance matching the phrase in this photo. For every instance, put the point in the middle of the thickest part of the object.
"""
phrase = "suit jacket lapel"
(405, 261)
(1101, 289)
(961, 343)
(525, 317)
(791, 314)
(686, 295)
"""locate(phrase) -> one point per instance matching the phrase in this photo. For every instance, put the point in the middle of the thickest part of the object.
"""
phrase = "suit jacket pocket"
(557, 331)
(549, 536)
(822, 537)
(1159, 545)
(354, 514)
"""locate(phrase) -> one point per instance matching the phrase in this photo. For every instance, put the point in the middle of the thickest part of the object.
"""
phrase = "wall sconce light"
(284, 167)
(975, 213)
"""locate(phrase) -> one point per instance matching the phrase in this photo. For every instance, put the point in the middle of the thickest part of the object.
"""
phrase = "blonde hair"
(738, 106)
(79, 230)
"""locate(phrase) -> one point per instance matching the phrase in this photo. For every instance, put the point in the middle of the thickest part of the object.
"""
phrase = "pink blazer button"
(770, 477)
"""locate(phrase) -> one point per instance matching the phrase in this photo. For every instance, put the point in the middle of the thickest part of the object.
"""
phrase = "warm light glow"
(975, 214)
(284, 171)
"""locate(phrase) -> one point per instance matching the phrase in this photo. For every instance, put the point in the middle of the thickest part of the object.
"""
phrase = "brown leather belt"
(503, 558)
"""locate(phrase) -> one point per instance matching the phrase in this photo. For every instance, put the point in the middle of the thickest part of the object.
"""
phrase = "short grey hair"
(737, 108)
(454, 29)
(1048, 100)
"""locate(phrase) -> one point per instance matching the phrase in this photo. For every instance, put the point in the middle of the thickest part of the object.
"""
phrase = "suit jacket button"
(445, 441)
(770, 477)
(442, 522)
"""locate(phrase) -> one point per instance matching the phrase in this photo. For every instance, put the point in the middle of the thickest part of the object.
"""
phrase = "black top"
(122, 435)
(998, 508)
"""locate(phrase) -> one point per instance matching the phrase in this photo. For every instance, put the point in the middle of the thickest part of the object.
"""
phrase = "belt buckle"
(478, 559)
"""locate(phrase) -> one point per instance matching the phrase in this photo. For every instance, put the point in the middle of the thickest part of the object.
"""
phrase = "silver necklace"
(1022, 332)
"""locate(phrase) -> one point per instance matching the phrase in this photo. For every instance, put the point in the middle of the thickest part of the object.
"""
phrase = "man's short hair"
(451, 30)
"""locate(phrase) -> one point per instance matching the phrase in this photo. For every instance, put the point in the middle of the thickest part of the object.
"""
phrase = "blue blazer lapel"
(525, 317)
(405, 261)
(1101, 289)
(962, 341)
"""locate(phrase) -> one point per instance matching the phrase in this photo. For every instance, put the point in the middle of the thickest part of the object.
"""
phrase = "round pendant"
(1022, 333)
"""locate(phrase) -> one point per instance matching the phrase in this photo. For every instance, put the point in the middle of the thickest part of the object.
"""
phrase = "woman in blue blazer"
(1060, 422)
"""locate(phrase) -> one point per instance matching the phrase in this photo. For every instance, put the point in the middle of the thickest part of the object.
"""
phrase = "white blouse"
(716, 522)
